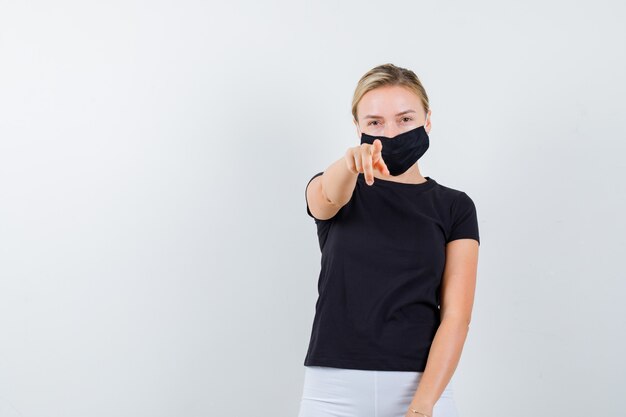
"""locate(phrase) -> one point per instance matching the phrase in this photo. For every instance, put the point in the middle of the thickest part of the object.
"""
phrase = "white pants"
(340, 392)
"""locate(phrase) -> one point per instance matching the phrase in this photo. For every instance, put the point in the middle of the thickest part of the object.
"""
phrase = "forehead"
(387, 101)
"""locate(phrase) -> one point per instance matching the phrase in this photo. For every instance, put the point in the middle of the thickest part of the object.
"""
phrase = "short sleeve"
(464, 219)
(308, 211)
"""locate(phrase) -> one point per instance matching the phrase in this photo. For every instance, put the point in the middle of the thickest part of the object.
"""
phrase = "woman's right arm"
(327, 193)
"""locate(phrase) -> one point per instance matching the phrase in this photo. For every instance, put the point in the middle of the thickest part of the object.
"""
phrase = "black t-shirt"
(382, 261)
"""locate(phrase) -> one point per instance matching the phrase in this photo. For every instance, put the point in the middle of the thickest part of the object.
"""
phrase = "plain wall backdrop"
(156, 259)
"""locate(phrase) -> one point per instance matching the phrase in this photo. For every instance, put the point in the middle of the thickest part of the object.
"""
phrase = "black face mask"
(403, 150)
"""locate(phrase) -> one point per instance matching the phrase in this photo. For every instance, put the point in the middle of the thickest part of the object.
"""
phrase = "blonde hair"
(388, 74)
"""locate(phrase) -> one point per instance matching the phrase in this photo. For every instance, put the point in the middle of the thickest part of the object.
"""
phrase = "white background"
(156, 258)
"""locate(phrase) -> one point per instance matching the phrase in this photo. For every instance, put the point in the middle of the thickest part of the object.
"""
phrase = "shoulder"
(452, 195)
(461, 215)
(455, 202)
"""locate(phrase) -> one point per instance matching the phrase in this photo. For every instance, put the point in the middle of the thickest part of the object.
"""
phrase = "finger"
(382, 167)
(376, 148)
(378, 157)
(367, 165)
(349, 157)
(356, 156)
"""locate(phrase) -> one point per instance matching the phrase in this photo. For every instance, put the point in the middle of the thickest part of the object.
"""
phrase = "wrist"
(422, 407)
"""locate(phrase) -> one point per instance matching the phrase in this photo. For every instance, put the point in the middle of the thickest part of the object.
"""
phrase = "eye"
(373, 121)
(406, 119)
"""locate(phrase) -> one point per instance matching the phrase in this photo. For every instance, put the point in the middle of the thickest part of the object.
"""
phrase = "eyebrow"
(371, 116)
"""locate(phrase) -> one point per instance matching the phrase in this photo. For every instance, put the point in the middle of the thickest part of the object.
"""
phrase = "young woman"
(398, 270)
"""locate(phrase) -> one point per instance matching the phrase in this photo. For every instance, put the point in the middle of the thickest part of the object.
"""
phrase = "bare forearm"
(443, 359)
(338, 182)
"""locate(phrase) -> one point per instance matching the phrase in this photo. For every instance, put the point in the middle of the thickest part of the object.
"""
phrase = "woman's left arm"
(457, 298)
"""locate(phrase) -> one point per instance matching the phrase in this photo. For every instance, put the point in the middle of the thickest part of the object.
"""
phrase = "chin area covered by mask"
(401, 151)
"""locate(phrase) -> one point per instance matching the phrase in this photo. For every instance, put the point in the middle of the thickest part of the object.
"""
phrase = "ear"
(427, 125)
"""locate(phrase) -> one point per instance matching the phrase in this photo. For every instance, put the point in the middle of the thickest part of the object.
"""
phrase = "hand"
(366, 158)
